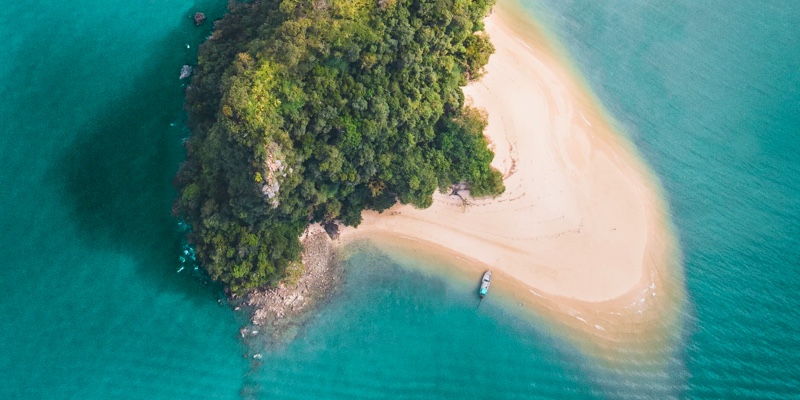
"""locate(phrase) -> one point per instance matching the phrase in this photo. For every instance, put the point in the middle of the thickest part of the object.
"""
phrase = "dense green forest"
(313, 110)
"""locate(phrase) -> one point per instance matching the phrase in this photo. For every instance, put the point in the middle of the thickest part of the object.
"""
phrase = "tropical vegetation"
(308, 111)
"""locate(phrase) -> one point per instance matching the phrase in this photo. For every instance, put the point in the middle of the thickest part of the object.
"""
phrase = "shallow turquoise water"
(395, 332)
(710, 92)
(93, 308)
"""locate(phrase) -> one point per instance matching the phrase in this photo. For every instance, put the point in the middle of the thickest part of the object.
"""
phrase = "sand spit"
(581, 232)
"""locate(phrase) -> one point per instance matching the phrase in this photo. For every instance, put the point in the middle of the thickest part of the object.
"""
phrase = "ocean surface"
(710, 93)
(95, 304)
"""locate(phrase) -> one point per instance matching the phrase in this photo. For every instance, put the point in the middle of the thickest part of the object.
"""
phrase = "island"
(316, 110)
(472, 131)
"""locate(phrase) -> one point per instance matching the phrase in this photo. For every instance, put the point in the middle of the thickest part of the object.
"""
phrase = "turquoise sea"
(93, 305)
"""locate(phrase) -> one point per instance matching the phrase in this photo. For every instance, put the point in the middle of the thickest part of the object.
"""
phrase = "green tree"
(308, 110)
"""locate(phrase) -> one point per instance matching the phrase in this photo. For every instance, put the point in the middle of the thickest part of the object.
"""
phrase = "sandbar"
(582, 219)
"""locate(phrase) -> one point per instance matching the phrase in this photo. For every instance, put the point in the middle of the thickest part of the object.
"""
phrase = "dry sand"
(581, 223)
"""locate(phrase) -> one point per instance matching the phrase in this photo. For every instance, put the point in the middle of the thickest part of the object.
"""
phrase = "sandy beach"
(581, 219)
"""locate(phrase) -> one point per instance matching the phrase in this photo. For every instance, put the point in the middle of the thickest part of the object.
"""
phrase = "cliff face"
(273, 169)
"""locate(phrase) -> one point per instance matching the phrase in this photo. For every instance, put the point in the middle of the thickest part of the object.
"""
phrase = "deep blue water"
(93, 306)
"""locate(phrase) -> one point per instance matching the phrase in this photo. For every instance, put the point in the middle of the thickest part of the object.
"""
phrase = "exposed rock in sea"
(199, 18)
(186, 71)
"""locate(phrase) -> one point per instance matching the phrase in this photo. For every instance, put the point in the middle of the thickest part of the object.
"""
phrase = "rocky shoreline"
(287, 305)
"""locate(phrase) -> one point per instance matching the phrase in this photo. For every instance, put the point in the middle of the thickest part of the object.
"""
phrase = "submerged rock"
(199, 18)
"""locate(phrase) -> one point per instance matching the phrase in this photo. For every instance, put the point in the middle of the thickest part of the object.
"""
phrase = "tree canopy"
(315, 110)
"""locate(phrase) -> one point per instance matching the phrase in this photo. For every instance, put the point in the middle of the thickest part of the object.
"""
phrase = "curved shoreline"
(582, 228)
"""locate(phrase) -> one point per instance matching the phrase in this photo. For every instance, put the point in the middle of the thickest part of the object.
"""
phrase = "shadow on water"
(117, 175)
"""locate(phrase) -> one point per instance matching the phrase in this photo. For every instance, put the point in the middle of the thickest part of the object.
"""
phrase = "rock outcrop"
(283, 306)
